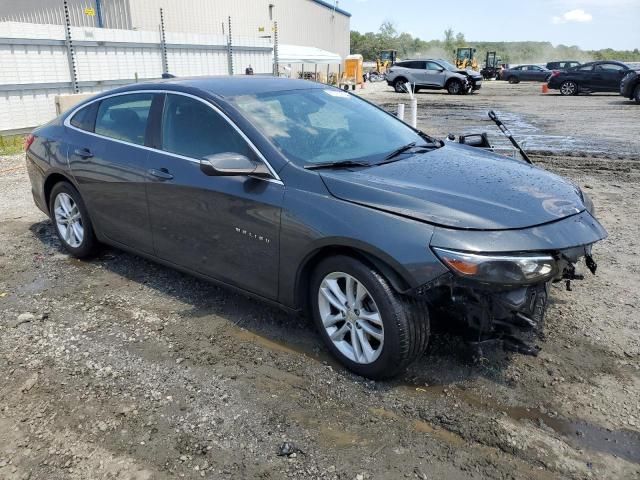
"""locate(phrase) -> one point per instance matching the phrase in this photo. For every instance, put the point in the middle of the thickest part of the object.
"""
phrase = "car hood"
(469, 72)
(460, 187)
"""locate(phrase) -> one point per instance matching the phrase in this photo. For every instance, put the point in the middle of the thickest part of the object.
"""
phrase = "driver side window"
(193, 129)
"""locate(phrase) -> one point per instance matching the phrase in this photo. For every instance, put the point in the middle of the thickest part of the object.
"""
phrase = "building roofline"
(331, 7)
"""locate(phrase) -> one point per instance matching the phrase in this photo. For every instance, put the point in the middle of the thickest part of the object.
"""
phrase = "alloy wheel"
(400, 86)
(568, 88)
(351, 317)
(68, 220)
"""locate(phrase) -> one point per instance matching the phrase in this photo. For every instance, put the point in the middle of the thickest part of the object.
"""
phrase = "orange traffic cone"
(545, 88)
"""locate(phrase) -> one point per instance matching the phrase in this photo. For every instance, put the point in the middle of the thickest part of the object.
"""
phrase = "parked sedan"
(526, 73)
(603, 76)
(315, 200)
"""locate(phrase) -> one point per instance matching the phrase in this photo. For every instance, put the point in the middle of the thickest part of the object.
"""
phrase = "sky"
(590, 24)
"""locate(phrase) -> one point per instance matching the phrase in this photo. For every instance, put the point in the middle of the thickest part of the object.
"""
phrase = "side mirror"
(441, 69)
(480, 140)
(229, 164)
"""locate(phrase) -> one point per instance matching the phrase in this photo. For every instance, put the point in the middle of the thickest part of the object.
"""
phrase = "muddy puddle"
(533, 138)
(578, 433)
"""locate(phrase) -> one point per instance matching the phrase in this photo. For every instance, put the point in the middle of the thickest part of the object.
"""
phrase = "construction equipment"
(386, 59)
(466, 58)
(352, 74)
(491, 66)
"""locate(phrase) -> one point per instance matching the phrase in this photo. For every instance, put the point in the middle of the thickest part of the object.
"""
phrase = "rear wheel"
(400, 85)
(636, 94)
(71, 221)
(371, 329)
(569, 87)
(454, 87)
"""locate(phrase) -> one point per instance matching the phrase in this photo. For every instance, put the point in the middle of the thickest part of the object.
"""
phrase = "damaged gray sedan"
(315, 200)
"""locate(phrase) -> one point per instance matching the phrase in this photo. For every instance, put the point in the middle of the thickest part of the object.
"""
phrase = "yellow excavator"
(466, 58)
(386, 59)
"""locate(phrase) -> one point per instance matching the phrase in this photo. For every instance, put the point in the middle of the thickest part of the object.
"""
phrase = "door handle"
(160, 174)
(83, 153)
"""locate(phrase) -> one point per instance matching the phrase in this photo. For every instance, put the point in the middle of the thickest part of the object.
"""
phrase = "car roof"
(423, 60)
(600, 62)
(226, 86)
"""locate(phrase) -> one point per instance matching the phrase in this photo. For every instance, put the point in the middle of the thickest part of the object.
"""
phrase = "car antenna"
(503, 128)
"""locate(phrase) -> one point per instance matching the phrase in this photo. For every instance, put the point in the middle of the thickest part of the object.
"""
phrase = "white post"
(400, 113)
(414, 112)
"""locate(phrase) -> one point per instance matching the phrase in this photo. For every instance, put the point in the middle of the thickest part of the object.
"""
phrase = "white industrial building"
(310, 23)
(115, 42)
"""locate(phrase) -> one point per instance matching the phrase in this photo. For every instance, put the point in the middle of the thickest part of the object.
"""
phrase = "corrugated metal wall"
(300, 22)
(35, 64)
(115, 13)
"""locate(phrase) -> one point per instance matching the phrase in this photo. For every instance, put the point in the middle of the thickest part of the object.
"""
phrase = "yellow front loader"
(466, 58)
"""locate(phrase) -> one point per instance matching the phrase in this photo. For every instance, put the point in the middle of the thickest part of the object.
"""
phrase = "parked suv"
(630, 86)
(562, 65)
(433, 74)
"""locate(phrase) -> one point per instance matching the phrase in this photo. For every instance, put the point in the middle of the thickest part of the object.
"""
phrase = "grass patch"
(11, 144)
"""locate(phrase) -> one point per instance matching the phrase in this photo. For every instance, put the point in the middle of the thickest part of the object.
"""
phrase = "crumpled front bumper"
(493, 312)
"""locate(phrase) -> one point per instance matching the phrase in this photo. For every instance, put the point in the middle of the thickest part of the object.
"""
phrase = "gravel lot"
(118, 368)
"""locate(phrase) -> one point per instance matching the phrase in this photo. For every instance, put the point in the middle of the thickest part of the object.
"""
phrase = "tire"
(513, 80)
(399, 85)
(454, 87)
(636, 94)
(569, 87)
(79, 239)
(401, 325)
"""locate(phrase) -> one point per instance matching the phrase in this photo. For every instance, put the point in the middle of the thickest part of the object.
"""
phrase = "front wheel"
(371, 329)
(569, 88)
(71, 221)
(454, 87)
(636, 94)
(514, 80)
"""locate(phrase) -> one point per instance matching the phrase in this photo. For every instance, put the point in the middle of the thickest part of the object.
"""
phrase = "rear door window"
(124, 117)
(609, 67)
(415, 65)
(193, 129)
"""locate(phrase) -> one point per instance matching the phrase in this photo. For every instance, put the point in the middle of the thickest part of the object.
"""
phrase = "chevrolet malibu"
(313, 199)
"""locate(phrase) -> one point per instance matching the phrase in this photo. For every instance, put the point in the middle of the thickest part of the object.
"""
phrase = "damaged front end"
(502, 297)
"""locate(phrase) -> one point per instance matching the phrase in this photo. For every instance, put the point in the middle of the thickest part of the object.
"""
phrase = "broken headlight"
(497, 268)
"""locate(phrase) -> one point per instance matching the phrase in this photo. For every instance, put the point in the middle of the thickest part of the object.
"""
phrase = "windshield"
(447, 65)
(325, 125)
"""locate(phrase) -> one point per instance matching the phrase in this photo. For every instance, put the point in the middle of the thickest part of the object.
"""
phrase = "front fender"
(313, 223)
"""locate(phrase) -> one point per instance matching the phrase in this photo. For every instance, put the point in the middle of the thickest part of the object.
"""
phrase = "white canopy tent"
(312, 55)
(301, 56)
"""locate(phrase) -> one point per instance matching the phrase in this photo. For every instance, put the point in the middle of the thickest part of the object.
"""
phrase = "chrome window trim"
(67, 123)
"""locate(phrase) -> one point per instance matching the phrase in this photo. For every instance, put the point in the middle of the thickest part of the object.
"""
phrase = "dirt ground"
(118, 368)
